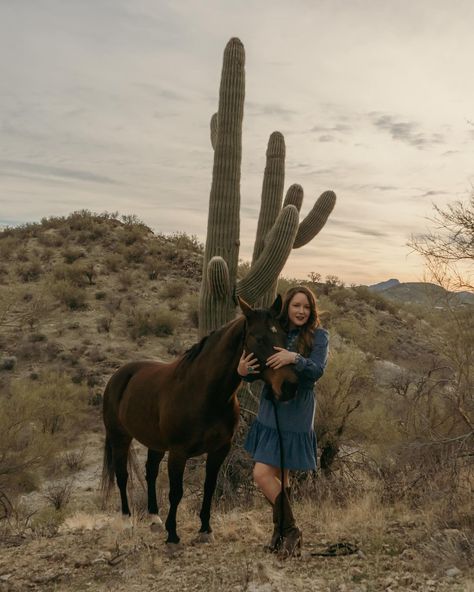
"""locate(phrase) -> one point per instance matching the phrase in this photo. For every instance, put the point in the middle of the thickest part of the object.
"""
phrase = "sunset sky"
(105, 105)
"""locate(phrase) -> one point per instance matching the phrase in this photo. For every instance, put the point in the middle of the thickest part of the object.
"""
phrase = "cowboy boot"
(290, 545)
(275, 541)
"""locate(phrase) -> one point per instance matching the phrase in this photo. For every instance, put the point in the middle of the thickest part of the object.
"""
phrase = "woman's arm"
(313, 366)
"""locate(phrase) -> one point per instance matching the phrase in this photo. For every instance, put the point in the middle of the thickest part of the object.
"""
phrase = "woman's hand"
(283, 357)
(248, 364)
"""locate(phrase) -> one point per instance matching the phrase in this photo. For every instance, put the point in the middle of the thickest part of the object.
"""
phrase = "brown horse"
(188, 407)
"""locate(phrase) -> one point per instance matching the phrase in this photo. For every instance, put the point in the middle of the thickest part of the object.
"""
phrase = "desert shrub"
(125, 278)
(155, 267)
(340, 393)
(8, 246)
(59, 494)
(74, 459)
(30, 271)
(174, 290)
(37, 337)
(135, 253)
(158, 321)
(51, 239)
(104, 324)
(73, 297)
(73, 274)
(22, 254)
(33, 413)
(100, 295)
(114, 262)
(8, 363)
(375, 299)
(71, 254)
(113, 304)
(192, 305)
(183, 241)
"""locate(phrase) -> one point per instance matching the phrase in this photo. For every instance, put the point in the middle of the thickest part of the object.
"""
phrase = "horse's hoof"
(173, 548)
(204, 537)
(156, 524)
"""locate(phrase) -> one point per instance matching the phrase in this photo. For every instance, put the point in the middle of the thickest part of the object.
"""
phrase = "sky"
(105, 105)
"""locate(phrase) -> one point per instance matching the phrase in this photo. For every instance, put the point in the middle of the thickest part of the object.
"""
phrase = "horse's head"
(263, 333)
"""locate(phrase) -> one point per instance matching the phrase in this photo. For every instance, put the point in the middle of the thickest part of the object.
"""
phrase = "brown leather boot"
(290, 545)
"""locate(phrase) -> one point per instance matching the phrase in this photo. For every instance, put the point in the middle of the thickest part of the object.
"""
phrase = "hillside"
(423, 293)
(82, 294)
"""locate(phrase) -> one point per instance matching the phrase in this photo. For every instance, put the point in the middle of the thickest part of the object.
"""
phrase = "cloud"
(326, 138)
(52, 171)
(405, 131)
(269, 109)
(338, 128)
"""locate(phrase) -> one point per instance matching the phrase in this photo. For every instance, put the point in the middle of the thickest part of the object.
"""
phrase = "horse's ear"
(276, 306)
(246, 308)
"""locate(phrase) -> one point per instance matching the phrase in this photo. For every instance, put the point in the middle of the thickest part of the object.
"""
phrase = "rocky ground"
(85, 548)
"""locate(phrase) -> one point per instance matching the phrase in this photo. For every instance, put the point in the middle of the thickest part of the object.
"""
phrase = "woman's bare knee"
(263, 472)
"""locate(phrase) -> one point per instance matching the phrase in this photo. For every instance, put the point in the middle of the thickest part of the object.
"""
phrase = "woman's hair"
(305, 339)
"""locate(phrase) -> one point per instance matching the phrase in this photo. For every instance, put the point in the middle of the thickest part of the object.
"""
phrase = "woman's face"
(299, 310)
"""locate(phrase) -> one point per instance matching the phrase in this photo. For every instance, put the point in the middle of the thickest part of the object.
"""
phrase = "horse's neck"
(222, 357)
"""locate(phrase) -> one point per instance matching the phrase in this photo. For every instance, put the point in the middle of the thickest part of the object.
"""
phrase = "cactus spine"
(278, 231)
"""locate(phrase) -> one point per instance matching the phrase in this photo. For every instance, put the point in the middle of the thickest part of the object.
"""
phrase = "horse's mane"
(193, 352)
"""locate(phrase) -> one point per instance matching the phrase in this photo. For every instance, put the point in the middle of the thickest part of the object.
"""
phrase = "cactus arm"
(294, 197)
(316, 219)
(218, 278)
(266, 269)
(213, 130)
(272, 190)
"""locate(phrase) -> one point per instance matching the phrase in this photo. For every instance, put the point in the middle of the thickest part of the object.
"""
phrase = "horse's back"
(117, 385)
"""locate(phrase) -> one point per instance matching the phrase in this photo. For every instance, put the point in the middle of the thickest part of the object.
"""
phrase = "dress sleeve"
(313, 367)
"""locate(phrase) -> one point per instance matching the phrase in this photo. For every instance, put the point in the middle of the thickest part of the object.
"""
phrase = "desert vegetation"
(394, 417)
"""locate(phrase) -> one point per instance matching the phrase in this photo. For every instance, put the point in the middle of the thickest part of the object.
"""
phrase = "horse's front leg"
(176, 465)
(213, 464)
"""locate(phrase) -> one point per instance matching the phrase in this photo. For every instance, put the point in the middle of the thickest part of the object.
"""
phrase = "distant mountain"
(380, 287)
(420, 293)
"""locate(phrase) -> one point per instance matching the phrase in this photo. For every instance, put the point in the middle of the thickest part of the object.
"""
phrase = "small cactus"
(278, 230)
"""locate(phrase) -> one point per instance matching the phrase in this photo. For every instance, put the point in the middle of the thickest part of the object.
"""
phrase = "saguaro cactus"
(278, 229)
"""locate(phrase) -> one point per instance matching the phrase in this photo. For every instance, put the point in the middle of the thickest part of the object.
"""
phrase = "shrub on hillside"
(32, 413)
(114, 262)
(72, 254)
(8, 246)
(73, 297)
(30, 272)
(158, 321)
(174, 290)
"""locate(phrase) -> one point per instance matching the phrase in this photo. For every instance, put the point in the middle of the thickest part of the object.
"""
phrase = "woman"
(306, 349)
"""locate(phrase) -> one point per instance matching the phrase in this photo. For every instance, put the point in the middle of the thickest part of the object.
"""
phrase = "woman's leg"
(268, 480)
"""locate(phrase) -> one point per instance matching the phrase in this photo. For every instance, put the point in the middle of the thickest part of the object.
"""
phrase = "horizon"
(107, 107)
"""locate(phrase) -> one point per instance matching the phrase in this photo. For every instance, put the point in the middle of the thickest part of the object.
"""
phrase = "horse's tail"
(112, 395)
(108, 473)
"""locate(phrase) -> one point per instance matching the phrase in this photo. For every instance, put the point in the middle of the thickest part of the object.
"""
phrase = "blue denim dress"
(296, 417)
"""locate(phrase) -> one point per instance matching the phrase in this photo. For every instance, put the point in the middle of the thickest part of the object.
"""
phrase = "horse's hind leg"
(152, 467)
(120, 448)
(213, 464)
(176, 465)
